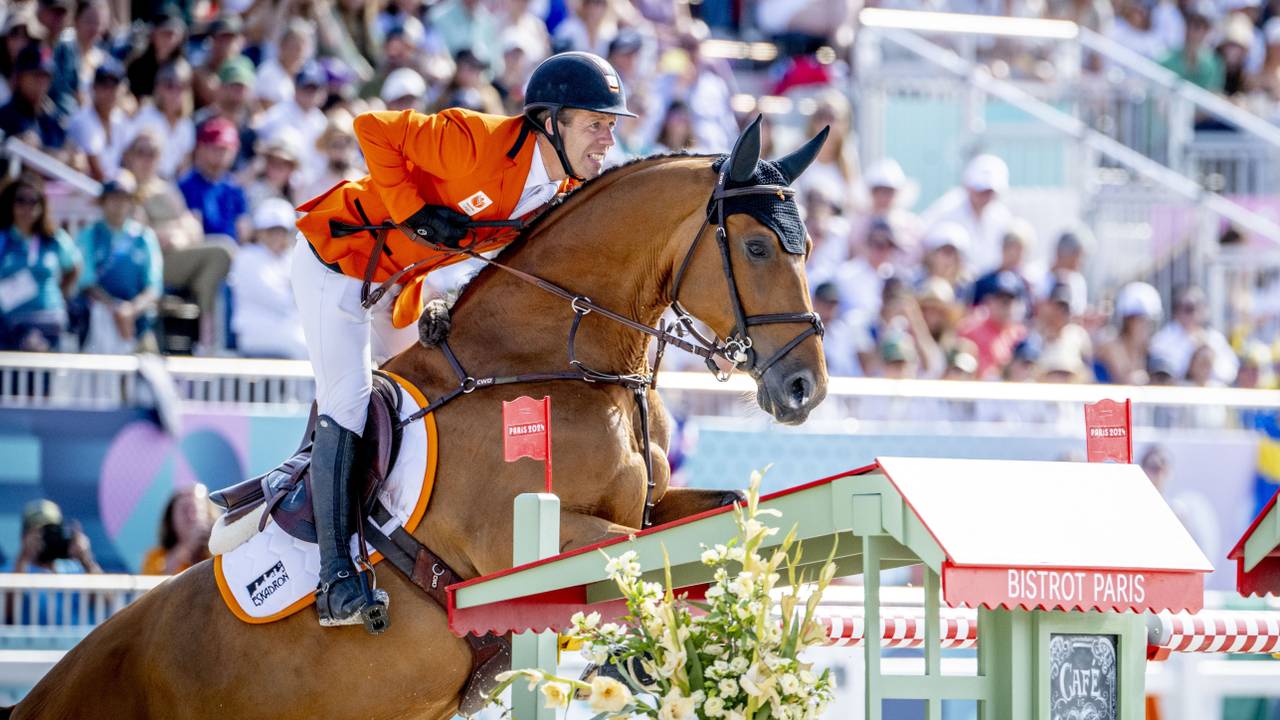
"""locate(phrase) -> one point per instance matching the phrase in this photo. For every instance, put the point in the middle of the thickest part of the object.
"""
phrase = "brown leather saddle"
(286, 490)
(286, 493)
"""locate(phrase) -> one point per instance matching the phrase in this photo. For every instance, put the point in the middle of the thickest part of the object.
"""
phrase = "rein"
(736, 350)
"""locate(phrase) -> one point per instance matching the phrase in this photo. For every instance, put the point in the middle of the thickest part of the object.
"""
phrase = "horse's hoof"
(733, 496)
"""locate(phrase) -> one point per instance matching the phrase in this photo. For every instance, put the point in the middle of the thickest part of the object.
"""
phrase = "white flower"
(736, 554)
(608, 695)
(673, 662)
(714, 592)
(556, 694)
(734, 715)
(755, 683)
(583, 623)
(710, 557)
(739, 665)
(789, 683)
(728, 687)
(721, 575)
(714, 707)
(622, 567)
(808, 678)
(754, 528)
(652, 589)
(611, 633)
(742, 585)
(595, 654)
(714, 650)
(677, 707)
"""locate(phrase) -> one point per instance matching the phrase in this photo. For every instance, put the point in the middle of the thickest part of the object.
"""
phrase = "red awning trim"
(1263, 580)
(544, 611)
(1072, 589)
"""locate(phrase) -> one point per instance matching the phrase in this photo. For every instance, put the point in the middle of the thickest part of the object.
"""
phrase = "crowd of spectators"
(207, 129)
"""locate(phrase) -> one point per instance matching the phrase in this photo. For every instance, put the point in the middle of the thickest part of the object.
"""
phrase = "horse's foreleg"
(682, 502)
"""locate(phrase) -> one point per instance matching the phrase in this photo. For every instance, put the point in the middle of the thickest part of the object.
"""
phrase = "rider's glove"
(439, 225)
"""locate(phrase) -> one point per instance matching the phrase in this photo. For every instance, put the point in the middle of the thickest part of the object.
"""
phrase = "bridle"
(737, 350)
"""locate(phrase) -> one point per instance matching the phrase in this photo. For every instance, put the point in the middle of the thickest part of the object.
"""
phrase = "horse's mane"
(566, 206)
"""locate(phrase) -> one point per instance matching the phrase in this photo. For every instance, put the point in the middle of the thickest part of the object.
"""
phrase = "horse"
(635, 240)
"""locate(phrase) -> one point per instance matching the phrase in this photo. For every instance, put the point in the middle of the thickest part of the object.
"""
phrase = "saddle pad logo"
(475, 203)
(266, 584)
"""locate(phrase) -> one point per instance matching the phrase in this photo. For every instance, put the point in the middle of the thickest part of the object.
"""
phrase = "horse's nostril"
(799, 391)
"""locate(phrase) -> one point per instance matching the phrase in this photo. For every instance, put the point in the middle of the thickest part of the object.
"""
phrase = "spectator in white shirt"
(303, 115)
(264, 315)
(1186, 332)
(977, 207)
(100, 128)
(168, 116)
(274, 83)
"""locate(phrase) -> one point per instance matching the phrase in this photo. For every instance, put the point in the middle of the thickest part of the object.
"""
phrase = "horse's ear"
(795, 163)
(746, 153)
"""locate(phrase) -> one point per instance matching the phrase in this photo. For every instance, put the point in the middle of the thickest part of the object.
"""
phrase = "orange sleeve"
(153, 561)
(439, 144)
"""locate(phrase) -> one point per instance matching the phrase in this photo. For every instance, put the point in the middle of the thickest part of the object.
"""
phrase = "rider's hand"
(438, 225)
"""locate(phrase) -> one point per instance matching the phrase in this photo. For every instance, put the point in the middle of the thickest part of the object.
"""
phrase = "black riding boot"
(344, 597)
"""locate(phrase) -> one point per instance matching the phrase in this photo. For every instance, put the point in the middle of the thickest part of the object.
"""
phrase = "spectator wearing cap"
(404, 89)
(123, 273)
(889, 194)
(1235, 49)
(470, 25)
(946, 246)
(225, 41)
(264, 315)
(1059, 328)
(276, 74)
(469, 89)
(844, 343)
(1067, 266)
(167, 114)
(996, 326)
(165, 46)
(1186, 331)
(234, 102)
(525, 30)
(209, 189)
(941, 313)
(20, 30)
(1269, 75)
(337, 144)
(1012, 252)
(277, 165)
(1195, 60)
(99, 131)
(193, 268)
(1256, 371)
(898, 357)
(30, 114)
(1123, 353)
(38, 269)
(862, 277)
(402, 50)
(76, 59)
(301, 115)
(1246, 15)
(51, 545)
(978, 208)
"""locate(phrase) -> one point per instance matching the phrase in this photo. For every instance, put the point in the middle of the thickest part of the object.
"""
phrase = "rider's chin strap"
(557, 141)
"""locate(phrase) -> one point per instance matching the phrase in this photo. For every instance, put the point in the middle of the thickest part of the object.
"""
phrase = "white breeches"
(345, 341)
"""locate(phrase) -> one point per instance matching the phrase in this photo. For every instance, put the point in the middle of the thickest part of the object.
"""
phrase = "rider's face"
(588, 136)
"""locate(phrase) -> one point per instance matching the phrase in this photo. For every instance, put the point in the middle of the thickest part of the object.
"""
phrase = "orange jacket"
(469, 161)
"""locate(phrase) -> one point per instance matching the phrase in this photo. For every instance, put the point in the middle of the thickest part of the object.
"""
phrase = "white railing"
(101, 381)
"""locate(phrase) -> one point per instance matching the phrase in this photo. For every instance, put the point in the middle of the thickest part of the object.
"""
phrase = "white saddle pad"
(273, 574)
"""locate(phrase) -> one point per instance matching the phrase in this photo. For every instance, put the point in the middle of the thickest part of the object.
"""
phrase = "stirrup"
(374, 613)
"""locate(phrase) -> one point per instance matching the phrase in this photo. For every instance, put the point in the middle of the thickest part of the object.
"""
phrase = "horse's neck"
(617, 247)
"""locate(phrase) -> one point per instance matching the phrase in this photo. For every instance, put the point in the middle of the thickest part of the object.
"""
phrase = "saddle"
(286, 490)
(285, 493)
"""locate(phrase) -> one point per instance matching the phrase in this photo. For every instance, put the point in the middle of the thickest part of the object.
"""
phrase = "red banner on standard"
(526, 431)
(1108, 431)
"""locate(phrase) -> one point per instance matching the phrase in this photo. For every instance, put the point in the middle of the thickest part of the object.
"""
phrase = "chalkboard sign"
(1082, 677)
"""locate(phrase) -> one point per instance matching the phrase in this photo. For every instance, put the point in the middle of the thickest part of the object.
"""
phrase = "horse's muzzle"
(788, 392)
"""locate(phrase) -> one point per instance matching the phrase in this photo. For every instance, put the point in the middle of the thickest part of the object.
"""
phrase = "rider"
(430, 175)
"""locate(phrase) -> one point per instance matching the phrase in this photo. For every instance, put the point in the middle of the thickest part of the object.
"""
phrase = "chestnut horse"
(622, 240)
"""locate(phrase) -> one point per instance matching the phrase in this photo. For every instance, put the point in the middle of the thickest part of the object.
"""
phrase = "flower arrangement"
(735, 656)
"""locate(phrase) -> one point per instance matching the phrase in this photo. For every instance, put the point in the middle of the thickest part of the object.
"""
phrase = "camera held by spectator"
(52, 545)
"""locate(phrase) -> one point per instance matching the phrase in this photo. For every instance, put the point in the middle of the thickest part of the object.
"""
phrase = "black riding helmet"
(573, 80)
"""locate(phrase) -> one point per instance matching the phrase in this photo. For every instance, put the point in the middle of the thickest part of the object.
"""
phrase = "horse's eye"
(757, 249)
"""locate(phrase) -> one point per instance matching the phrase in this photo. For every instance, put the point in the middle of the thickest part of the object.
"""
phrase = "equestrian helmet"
(576, 80)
